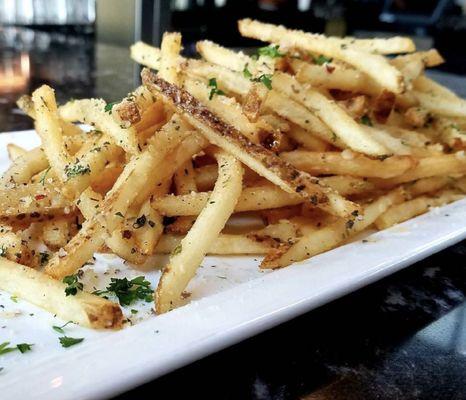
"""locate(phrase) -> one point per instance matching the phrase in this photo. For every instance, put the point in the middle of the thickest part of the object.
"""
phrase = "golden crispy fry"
(445, 164)
(187, 256)
(224, 244)
(342, 125)
(15, 151)
(255, 157)
(84, 309)
(354, 53)
(328, 237)
(348, 163)
(411, 208)
(169, 52)
(97, 113)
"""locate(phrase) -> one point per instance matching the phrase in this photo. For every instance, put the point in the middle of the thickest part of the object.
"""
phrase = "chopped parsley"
(77, 169)
(270, 51)
(119, 214)
(214, 89)
(177, 250)
(67, 341)
(3, 251)
(60, 329)
(265, 79)
(321, 60)
(42, 179)
(140, 222)
(129, 291)
(14, 299)
(246, 72)
(365, 120)
(44, 258)
(73, 284)
(22, 347)
(109, 106)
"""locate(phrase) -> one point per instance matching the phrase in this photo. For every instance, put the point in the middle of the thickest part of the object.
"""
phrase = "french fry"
(15, 151)
(269, 33)
(37, 288)
(328, 237)
(256, 198)
(226, 107)
(412, 208)
(188, 255)
(169, 52)
(449, 107)
(306, 139)
(353, 164)
(334, 76)
(49, 129)
(224, 244)
(96, 112)
(257, 158)
(23, 168)
(343, 126)
(438, 165)
(350, 52)
(302, 117)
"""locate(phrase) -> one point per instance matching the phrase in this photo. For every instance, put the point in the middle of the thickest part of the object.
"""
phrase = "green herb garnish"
(129, 291)
(73, 284)
(246, 72)
(265, 79)
(140, 222)
(321, 60)
(109, 106)
(365, 120)
(24, 347)
(3, 251)
(177, 250)
(77, 169)
(44, 258)
(60, 329)
(67, 341)
(42, 179)
(270, 51)
(214, 89)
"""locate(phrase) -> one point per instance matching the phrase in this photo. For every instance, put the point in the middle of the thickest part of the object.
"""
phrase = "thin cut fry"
(37, 288)
(188, 255)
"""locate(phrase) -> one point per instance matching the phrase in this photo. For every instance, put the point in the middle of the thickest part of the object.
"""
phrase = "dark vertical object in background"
(152, 20)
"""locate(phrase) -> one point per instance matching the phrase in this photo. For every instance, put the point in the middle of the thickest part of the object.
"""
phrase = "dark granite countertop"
(401, 338)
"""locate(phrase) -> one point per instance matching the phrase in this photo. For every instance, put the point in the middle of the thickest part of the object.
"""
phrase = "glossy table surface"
(401, 338)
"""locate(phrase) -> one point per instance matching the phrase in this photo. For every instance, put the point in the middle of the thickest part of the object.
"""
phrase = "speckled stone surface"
(401, 338)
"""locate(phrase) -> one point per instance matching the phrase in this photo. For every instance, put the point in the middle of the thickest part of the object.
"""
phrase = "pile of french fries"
(321, 137)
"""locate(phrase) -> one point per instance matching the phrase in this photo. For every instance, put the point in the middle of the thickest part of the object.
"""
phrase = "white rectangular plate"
(231, 300)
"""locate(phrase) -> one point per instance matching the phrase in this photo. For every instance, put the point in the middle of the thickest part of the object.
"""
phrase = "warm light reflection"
(14, 74)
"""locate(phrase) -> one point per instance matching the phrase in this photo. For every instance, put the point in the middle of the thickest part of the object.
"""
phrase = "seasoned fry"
(84, 309)
(169, 52)
(225, 244)
(187, 256)
(348, 164)
(411, 208)
(96, 112)
(15, 151)
(328, 237)
(255, 157)
(354, 53)
(342, 125)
